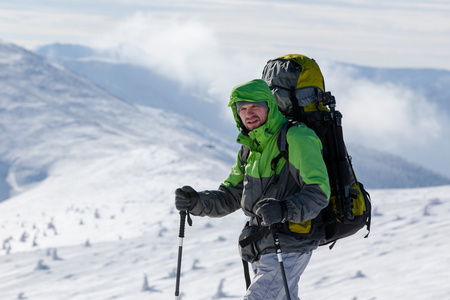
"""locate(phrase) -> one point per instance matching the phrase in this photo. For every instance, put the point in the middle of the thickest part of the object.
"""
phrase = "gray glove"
(271, 211)
(186, 198)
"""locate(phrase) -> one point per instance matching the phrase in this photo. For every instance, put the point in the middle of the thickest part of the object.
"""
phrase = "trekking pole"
(183, 214)
(276, 240)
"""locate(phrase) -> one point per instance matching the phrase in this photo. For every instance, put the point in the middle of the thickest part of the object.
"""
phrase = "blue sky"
(380, 33)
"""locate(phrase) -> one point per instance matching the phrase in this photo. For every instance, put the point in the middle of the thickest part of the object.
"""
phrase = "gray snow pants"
(268, 281)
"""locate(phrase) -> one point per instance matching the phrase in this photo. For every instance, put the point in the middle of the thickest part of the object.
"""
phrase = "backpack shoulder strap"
(282, 144)
(245, 151)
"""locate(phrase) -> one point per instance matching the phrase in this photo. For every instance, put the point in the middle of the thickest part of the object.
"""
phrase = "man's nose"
(250, 112)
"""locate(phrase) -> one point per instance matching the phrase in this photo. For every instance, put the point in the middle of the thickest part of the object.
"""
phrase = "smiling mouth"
(252, 122)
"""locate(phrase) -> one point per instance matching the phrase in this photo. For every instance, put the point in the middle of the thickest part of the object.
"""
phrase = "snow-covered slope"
(405, 257)
(89, 212)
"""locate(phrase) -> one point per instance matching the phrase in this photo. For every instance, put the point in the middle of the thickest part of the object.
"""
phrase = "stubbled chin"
(252, 126)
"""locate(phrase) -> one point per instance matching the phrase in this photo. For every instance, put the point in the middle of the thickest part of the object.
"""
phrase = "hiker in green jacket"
(291, 195)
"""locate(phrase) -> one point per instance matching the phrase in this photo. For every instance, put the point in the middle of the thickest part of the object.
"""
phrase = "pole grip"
(182, 223)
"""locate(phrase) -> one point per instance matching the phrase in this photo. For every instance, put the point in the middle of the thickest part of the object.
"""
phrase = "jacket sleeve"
(226, 199)
(306, 162)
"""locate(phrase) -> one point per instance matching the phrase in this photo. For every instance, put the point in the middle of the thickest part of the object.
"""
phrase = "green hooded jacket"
(302, 183)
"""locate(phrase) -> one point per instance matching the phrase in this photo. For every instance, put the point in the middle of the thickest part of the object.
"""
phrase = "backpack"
(299, 90)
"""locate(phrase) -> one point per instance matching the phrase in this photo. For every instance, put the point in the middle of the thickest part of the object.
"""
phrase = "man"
(268, 196)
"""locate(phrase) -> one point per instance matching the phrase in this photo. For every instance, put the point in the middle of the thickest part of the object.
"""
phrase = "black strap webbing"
(245, 151)
(259, 234)
(282, 145)
(246, 274)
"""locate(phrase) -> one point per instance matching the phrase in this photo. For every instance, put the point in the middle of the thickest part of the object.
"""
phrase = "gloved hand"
(186, 198)
(271, 211)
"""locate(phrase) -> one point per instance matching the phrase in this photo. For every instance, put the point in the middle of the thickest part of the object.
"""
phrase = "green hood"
(254, 91)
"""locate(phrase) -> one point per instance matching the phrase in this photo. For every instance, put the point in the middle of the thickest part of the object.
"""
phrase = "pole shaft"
(180, 252)
(276, 241)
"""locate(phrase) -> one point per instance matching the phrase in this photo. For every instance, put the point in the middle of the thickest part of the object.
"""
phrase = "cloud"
(383, 115)
(33, 25)
(183, 49)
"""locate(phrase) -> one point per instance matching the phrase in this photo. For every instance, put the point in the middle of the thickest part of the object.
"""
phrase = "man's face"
(253, 116)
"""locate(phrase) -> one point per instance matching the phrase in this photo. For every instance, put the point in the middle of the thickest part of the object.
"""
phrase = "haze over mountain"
(146, 86)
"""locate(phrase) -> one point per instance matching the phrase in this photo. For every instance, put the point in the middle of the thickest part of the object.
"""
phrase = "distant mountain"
(138, 84)
(376, 169)
(141, 85)
(66, 51)
(51, 116)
